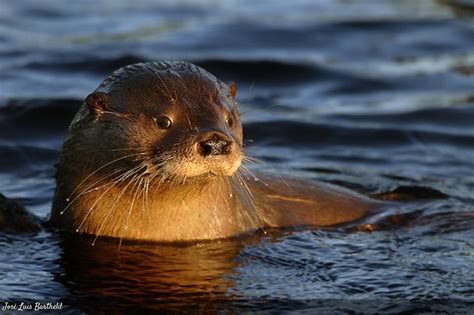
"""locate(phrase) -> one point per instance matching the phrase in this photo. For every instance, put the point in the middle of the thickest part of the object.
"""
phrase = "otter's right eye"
(163, 122)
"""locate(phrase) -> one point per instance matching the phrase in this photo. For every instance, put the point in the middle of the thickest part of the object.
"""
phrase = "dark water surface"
(374, 95)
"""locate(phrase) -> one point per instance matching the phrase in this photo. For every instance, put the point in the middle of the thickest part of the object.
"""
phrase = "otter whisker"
(246, 171)
(172, 84)
(167, 93)
(106, 176)
(136, 187)
(89, 189)
(248, 159)
(145, 205)
(145, 178)
(100, 168)
(91, 208)
(130, 148)
(111, 185)
(240, 182)
(251, 160)
(106, 216)
(120, 115)
(189, 122)
(164, 85)
(261, 110)
(166, 173)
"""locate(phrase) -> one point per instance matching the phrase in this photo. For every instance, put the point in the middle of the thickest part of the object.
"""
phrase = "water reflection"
(149, 276)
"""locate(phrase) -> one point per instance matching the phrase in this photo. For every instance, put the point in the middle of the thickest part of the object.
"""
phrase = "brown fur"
(120, 175)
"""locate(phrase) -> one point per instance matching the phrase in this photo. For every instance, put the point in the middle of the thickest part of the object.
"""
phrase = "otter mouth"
(179, 168)
(182, 167)
(225, 172)
(214, 173)
(205, 155)
(211, 168)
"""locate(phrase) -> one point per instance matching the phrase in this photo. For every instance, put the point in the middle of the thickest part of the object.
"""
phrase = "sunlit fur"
(137, 163)
(121, 175)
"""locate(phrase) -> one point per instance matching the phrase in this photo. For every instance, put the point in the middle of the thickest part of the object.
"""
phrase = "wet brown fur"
(121, 176)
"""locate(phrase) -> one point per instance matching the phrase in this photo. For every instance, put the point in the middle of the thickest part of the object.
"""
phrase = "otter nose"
(214, 143)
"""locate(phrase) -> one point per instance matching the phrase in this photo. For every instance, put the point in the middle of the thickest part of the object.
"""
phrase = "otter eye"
(163, 122)
(230, 121)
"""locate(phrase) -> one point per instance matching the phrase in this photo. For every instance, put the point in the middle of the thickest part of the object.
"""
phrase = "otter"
(155, 153)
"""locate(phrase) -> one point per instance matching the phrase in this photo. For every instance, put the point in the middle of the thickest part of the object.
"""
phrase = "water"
(371, 95)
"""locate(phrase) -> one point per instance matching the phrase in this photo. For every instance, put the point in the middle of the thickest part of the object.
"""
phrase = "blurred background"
(375, 95)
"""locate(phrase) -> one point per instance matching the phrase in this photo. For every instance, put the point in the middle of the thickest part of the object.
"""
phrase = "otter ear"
(232, 88)
(97, 102)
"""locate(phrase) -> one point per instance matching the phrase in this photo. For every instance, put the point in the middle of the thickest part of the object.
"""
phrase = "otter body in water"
(155, 153)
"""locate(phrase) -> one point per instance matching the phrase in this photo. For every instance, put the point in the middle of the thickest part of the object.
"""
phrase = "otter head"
(173, 121)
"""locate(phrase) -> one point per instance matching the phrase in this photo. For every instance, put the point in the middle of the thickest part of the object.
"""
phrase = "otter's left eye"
(163, 122)
(229, 121)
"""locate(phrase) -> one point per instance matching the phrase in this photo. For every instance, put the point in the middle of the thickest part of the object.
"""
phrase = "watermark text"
(31, 306)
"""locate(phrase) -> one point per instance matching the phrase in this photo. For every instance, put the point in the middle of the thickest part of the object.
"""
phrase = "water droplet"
(61, 213)
(77, 230)
(67, 199)
(126, 228)
(230, 195)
